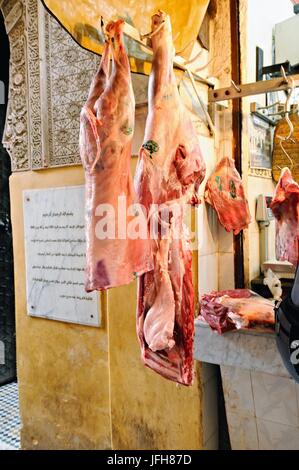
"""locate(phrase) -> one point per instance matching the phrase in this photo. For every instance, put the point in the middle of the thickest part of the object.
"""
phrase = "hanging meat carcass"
(225, 193)
(285, 207)
(106, 132)
(169, 172)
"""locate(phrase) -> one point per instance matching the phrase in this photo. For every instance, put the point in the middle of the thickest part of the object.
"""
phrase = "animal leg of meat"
(99, 81)
(90, 147)
(113, 257)
(159, 320)
(115, 31)
(190, 168)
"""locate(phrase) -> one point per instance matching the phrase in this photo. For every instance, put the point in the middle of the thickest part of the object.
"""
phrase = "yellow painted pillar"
(86, 388)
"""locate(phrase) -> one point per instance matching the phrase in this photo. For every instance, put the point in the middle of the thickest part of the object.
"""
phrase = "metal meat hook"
(209, 122)
(287, 107)
(152, 33)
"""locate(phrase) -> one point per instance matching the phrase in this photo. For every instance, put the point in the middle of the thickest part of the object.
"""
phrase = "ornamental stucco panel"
(49, 80)
(16, 131)
(68, 70)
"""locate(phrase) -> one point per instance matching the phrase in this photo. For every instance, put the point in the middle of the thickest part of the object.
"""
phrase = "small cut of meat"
(225, 193)
(237, 309)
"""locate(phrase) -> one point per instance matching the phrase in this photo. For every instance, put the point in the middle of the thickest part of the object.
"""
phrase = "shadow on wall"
(7, 315)
(2, 93)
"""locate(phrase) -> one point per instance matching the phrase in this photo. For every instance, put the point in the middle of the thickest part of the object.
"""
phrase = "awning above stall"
(82, 19)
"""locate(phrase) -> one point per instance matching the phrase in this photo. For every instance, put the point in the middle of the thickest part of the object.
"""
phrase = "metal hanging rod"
(249, 89)
(179, 62)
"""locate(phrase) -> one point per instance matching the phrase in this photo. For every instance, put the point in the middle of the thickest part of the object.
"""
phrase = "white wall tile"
(237, 390)
(225, 240)
(207, 230)
(242, 431)
(275, 398)
(254, 254)
(208, 273)
(226, 271)
(209, 155)
(275, 436)
(210, 409)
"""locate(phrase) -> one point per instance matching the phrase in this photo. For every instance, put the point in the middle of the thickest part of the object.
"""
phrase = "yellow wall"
(148, 412)
(80, 389)
(62, 368)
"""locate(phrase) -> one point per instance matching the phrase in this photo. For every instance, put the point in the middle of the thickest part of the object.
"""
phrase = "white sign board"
(55, 256)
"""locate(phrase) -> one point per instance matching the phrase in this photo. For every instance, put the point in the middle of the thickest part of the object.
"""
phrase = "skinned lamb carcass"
(225, 193)
(285, 207)
(169, 171)
(106, 131)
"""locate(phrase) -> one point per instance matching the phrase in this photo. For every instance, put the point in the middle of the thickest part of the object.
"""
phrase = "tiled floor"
(9, 417)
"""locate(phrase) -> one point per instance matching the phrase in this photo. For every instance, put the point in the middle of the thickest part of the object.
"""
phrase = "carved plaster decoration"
(15, 138)
(34, 84)
(68, 70)
(50, 75)
(49, 82)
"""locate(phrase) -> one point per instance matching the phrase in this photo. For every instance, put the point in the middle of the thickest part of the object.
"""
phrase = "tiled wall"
(216, 270)
(257, 415)
(207, 229)
(216, 258)
(262, 410)
(215, 245)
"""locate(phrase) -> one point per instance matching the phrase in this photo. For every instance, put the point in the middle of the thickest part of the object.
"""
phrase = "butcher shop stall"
(149, 225)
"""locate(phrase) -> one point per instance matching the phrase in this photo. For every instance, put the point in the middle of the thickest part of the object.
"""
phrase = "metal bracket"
(249, 89)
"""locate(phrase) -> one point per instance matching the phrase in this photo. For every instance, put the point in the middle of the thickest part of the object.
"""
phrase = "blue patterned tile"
(9, 417)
